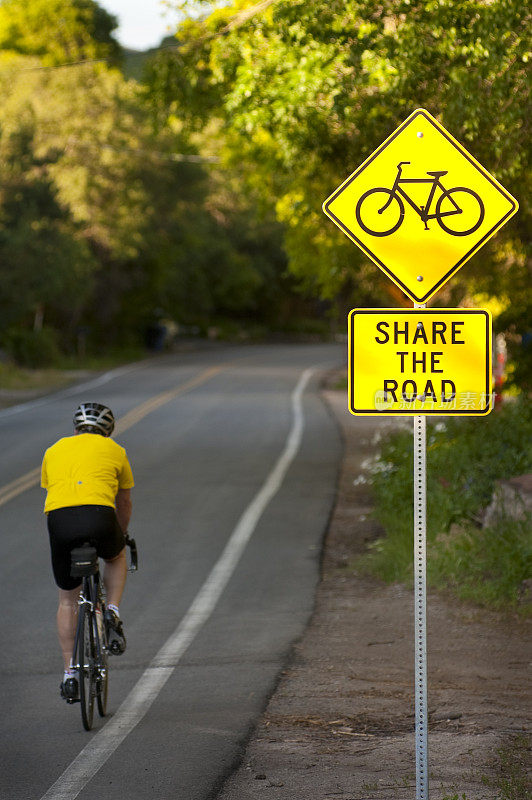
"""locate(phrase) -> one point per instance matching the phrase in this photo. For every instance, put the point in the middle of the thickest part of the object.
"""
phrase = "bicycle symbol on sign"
(459, 211)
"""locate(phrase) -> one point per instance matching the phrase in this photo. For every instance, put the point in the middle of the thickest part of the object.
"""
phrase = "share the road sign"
(419, 361)
(420, 206)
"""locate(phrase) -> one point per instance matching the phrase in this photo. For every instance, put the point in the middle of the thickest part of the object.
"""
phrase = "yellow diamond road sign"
(420, 361)
(420, 206)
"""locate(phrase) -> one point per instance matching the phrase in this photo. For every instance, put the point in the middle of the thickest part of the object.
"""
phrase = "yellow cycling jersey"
(86, 469)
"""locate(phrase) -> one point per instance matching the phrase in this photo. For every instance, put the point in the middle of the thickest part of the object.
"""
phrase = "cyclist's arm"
(123, 508)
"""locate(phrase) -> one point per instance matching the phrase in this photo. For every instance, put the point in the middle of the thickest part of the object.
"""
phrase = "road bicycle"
(459, 211)
(91, 646)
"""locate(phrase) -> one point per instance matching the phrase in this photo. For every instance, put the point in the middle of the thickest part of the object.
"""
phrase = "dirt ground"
(341, 722)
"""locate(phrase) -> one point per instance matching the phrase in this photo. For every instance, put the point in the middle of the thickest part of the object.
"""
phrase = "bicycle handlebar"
(133, 553)
(400, 164)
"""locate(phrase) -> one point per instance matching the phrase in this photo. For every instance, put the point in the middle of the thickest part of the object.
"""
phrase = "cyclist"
(88, 481)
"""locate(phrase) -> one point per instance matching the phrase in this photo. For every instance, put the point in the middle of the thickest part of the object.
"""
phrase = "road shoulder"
(340, 724)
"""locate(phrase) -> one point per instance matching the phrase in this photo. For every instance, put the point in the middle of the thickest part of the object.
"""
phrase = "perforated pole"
(420, 607)
(420, 604)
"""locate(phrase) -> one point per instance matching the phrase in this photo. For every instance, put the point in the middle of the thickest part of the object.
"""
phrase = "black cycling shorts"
(73, 526)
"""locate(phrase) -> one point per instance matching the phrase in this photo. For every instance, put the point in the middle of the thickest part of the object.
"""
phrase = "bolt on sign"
(420, 206)
(420, 361)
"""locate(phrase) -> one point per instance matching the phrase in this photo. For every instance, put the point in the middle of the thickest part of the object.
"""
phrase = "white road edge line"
(70, 391)
(139, 700)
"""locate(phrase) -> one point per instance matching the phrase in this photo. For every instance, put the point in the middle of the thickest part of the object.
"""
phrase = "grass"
(13, 378)
(19, 379)
(341, 384)
(509, 774)
(107, 360)
(465, 458)
(510, 780)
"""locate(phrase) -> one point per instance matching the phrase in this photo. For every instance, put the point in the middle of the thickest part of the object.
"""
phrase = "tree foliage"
(58, 30)
(104, 224)
(307, 89)
(106, 219)
(43, 259)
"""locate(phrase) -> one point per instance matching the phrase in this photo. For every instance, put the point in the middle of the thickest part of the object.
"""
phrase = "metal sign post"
(420, 604)
(420, 607)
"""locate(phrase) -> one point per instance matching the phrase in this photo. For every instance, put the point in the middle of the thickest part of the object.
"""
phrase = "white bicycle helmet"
(94, 418)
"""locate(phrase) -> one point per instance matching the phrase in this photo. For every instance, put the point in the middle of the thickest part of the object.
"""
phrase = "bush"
(32, 348)
(485, 565)
(465, 457)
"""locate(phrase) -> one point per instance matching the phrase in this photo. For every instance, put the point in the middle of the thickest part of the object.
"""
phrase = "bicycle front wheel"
(380, 212)
(459, 211)
(87, 667)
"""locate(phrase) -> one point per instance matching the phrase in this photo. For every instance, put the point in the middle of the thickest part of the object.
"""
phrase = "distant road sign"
(420, 361)
(420, 206)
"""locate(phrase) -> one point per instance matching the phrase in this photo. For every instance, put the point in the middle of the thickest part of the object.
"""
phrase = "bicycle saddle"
(438, 174)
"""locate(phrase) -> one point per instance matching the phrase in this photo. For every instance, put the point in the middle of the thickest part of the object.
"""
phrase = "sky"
(142, 23)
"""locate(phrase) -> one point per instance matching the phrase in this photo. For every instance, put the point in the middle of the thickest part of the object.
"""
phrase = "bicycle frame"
(88, 597)
(91, 646)
(89, 590)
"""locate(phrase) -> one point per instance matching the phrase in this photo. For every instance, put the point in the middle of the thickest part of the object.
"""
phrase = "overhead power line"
(42, 67)
(190, 158)
(182, 157)
(239, 19)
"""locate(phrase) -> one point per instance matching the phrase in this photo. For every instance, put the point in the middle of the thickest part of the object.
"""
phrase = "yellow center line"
(32, 478)
(136, 414)
(20, 485)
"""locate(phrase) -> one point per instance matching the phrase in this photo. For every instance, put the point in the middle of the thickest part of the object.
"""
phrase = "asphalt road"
(210, 435)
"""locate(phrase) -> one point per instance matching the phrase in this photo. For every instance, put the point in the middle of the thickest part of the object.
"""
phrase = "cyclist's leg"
(112, 548)
(115, 572)
(114, 578)
(61, 542)
(67, 617)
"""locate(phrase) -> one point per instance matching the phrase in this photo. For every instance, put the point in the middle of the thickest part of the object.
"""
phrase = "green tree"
(156, 232)
(307, 89)
(127, 224)
(45, 266)
(58, 30)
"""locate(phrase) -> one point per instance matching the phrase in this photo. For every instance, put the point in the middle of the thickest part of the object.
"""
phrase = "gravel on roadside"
(341, 722)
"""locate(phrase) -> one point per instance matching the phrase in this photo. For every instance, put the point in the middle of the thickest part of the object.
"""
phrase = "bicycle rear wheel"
(380, 212)
(87, 667)
(102, 672)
